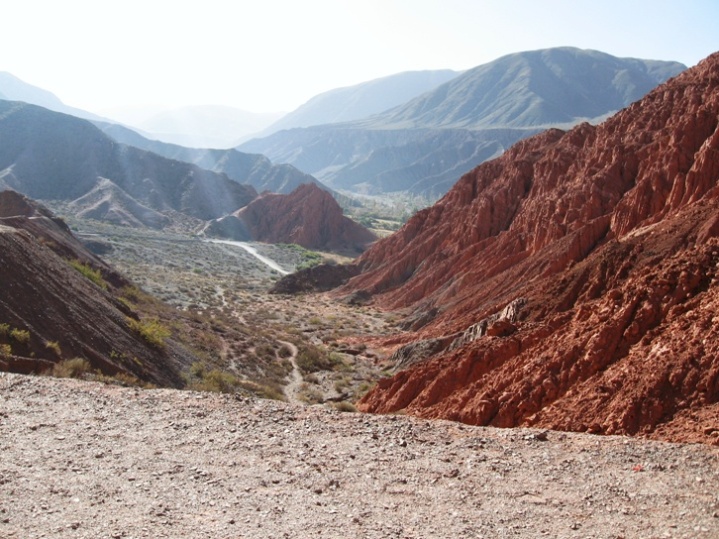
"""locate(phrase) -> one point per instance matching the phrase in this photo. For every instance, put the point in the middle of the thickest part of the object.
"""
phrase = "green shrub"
(71, 368)
(20, 335)
(4, 329)
(151, 330)
(5, 350)
(345, 406)
(88, 271)
(54, 346)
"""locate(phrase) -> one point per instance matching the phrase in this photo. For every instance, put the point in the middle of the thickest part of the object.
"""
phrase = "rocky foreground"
(86, 460)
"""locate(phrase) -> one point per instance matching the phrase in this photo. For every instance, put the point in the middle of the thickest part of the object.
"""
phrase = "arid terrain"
(312, 341)
(89, 460)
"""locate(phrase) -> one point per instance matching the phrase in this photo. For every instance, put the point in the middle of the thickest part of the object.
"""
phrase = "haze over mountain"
(571, 283)
(252, 169)
(362, 100)
(516, 96)
(14, 89)
(208, 126)
(52, 156)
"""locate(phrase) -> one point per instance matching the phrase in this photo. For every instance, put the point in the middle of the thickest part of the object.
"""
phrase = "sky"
(274, 55)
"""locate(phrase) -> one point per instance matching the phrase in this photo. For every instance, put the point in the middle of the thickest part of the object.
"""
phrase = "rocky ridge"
(610, 234)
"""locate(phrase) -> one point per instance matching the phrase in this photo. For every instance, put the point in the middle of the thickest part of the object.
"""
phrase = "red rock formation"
(610, 234)
(308, 216)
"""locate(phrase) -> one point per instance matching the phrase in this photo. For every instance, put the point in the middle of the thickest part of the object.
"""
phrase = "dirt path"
(292, 389)
(84, 460)
(247, 247)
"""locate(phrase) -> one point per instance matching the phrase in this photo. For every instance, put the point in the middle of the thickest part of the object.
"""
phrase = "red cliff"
(607, 240)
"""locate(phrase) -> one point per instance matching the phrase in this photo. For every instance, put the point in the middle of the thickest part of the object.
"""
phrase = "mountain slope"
(550, 87)
(362, 100)
(571, 283)
(64, 313)
(513, 97)
(251, 169)
(52, 156)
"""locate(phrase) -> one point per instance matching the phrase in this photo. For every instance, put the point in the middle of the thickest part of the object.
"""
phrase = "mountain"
(413, 147)
(362, 100)
(52, 156)
(208, 126)
(571, 283)
(14, 89)
(51, 311)
(309, 216)
(251, 169)
(543, 88)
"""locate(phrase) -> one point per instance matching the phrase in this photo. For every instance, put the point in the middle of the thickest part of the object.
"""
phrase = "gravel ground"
(86, 460)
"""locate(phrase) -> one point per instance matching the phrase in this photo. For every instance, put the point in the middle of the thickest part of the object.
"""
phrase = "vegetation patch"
(21, 336)
(152, 330)
(89, 272)
(72, 368)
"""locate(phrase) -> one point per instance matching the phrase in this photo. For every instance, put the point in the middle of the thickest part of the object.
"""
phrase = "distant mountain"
(362, 100)
(14, 89)
(513, 97)
(251, 169)
(208, 126)
(308, 216)
(52, 156)
(543, 88)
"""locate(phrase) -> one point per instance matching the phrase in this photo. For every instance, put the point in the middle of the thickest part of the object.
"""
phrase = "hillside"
(308, 216)
(414, 147)
(61, 302)
(52, 156)
(571, 283)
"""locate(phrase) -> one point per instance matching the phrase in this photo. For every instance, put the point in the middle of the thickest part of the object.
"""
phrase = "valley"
(226, 288)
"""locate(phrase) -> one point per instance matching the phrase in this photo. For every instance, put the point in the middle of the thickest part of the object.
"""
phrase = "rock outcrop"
(308, 216)
(611, 235)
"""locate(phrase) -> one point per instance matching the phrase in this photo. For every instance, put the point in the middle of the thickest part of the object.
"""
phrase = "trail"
(247, 247)
(292, 389)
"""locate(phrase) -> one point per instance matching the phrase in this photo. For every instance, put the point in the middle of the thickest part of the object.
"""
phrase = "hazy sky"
(273, 55)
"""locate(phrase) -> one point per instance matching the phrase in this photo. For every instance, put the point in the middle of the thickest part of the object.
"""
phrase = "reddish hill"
(308, 216)
(571, 283)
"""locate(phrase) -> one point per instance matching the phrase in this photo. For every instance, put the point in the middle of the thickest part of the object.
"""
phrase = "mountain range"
(571, 283)
(488, 107)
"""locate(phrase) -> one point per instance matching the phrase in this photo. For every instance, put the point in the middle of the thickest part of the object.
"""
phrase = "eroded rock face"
(308, 216)
(610, 233)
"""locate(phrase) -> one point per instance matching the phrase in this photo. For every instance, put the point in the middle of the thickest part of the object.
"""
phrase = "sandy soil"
(86, 460)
